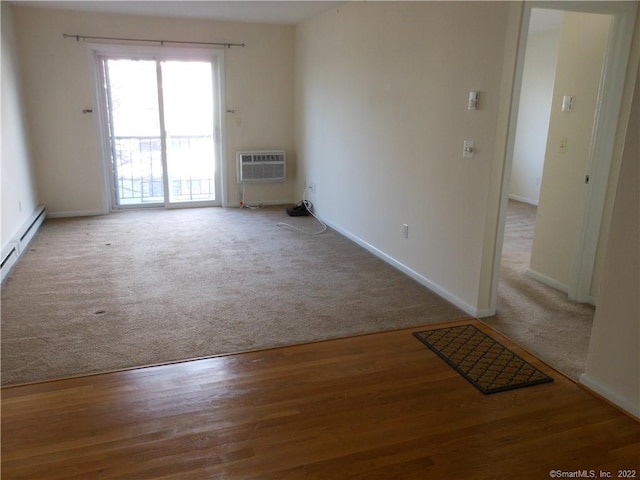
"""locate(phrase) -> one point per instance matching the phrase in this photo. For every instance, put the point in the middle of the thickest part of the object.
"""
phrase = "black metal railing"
(139, 171)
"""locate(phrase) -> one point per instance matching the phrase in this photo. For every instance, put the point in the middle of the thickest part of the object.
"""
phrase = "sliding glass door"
(135, 132)
(188, 117)
(162, 131)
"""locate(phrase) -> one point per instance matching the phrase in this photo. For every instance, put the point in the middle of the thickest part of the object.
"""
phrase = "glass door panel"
(188, 105)
(134, 127)
(162, 121)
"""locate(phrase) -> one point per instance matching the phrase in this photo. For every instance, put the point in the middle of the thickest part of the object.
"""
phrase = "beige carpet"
(538, 317)
(146, 287)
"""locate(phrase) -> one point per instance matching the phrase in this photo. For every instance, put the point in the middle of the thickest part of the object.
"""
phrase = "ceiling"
(278, 12)
(287, 12)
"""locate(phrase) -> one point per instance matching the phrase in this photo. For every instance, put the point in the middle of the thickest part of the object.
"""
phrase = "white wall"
(580, 64)
(613, 362)
(19, 198)
(381, 94)
(533, 115)
(58, 85)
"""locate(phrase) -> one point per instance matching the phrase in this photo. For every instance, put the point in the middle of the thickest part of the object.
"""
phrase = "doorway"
(560, 89)
(530, 144)
(593, 180)
(162, 125)
(599, 158)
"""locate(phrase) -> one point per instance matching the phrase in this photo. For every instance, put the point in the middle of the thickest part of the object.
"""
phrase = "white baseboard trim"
(93, 213)
(269, 203)
(403, 268)
(18, 244)
(485, 312)
(547, 280)
(624, 403)
(557, 285)
(80, 213)
(518, 198)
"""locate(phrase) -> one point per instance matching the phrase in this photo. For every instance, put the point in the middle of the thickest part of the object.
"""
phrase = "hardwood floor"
(376, 406)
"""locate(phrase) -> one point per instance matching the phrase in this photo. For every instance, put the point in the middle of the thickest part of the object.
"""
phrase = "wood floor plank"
(376, 406)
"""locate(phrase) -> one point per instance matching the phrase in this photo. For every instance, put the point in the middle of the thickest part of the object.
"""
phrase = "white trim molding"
(435, 288)
(604, 391)
(550, 282)
(79, 213)
(518, 198)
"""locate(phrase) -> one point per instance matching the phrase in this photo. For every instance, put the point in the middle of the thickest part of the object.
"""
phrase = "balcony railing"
(139, 172)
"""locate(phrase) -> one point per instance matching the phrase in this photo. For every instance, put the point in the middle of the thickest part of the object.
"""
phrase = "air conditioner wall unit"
(261, 166)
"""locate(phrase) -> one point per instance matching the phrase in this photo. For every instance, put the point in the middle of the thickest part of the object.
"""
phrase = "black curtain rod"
(161, 42)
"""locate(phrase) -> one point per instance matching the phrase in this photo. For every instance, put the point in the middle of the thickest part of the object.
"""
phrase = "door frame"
(602, 144)
(144, 52)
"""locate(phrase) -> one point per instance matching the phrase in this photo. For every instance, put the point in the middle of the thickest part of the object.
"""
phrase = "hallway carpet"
(534, 315)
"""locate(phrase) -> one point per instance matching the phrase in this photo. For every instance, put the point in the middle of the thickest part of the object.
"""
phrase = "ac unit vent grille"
(261, 166)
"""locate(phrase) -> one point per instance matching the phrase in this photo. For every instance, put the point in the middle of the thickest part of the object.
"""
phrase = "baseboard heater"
(12, 251)
(9, 256)
(261, 166)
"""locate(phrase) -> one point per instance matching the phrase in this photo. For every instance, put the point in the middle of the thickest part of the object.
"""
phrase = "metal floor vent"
(261, 166)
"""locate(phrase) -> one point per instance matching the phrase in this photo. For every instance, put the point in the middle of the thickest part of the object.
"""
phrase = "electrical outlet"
(405, 230)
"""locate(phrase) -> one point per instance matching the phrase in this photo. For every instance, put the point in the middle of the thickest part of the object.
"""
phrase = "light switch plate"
(468, 149)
